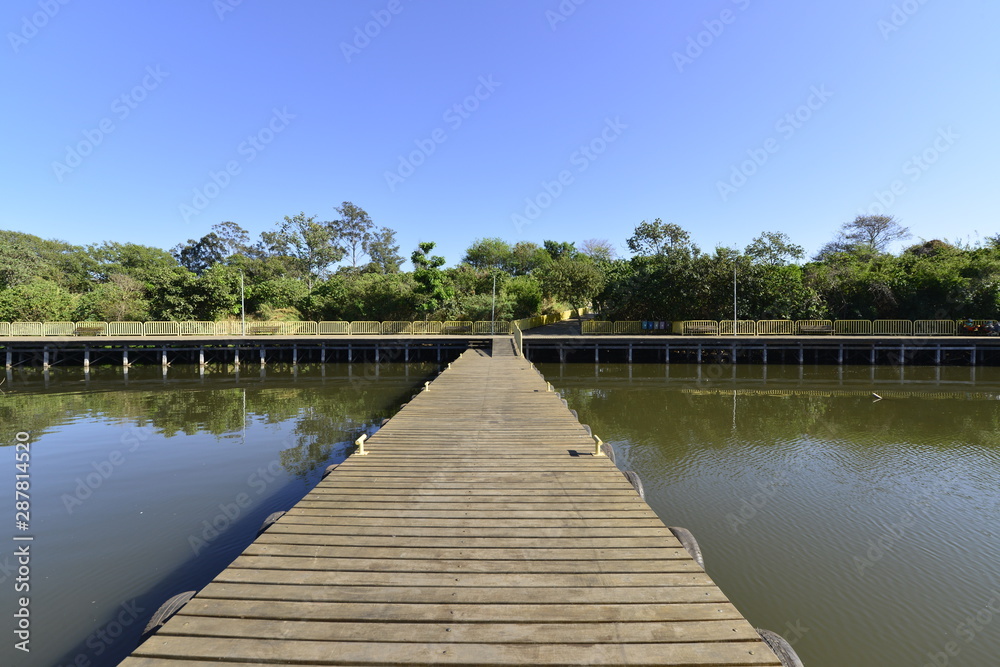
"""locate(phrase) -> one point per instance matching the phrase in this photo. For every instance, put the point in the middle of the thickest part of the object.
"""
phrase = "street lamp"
(243, 308)
(493, 310)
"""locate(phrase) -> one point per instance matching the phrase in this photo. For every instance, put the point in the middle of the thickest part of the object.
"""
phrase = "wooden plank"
(405, 653)
(458, 633)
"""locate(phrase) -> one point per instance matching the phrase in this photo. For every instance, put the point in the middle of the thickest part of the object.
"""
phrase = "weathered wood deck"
(479, 530)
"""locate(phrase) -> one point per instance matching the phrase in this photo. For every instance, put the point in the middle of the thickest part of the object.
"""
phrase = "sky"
(447, 121)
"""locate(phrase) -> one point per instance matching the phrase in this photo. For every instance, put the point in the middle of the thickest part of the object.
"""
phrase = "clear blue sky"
(117, 112)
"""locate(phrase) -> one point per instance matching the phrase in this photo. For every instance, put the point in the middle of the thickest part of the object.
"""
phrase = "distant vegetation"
(350, 269)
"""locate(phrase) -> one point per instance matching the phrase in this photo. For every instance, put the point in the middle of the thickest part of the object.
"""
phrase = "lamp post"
(493, 310)
(243, 308)
(734, 298)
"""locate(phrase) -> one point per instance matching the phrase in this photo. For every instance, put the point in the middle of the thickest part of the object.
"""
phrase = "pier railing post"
(360, 442)
(597, 447)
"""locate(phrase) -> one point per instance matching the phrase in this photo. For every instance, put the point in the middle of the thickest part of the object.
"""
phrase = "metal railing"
(775, 327)
(743, 327)
(786, 327)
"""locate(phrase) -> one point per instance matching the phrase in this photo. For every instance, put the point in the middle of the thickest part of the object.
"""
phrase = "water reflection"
(865, 529)
(145, 485)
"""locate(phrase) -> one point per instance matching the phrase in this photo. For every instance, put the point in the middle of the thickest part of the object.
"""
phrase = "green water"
(864, 531)
(867, 532)
(147, 486)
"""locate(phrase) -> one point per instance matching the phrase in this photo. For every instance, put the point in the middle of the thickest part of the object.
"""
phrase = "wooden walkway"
(479, 530)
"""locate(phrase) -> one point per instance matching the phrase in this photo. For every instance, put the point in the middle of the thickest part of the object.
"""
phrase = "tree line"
(348, 268)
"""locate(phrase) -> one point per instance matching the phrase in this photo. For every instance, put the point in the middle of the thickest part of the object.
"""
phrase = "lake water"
(145, 489)
(867, 532)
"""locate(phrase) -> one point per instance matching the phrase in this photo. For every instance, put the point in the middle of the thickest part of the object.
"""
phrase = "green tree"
(352, 232)
(657, 237)
(309, 246)
(432, 289)
(492, 254)
(225, 239)
(575, 281)
(37, 301)
(774, 249)
(383, 251)
(121, 299)
(599, 250)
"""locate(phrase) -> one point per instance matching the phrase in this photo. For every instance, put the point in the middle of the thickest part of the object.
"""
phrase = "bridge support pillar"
(125, 363)
(840, 355)
(263, 358)
(45, 357)
(86, 358)
(295, 355)
(201, 356)
(163, 357)
(937, 355)
(10, 359)
(236, 357)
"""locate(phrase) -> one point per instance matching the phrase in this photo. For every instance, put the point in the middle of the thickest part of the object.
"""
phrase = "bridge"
(481, 525)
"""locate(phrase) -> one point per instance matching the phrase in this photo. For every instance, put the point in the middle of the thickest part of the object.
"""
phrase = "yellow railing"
(334, 328)
(934, 328)
(813, 326)
(456, 327)
(91, 329)
(892, 327)
(689, 327)
(628, 327)
(465, 327)
(58, 328)
(125, 328)
(366, 328)
(596, 327)
(852, 327)
(26, 328)
(743, 327)
(203, 328)
(162, 328)
(397, 328)
(421, 328)
(487, 328)
(775, 327)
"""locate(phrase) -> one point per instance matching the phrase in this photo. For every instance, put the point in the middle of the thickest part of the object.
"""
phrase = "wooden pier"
(478, 529)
